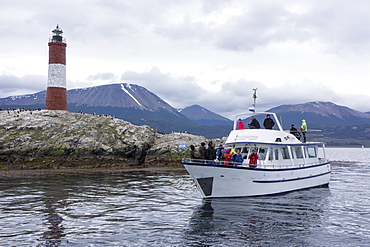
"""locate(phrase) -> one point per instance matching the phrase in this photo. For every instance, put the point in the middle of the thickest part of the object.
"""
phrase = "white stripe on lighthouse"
(57, 75)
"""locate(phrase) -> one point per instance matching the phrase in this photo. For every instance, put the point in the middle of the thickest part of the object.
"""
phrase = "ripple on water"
(165, 209)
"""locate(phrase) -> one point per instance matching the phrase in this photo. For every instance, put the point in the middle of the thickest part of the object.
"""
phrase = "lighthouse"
(56, 94)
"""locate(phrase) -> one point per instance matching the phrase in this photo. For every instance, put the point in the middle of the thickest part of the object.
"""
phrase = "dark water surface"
(165, 209)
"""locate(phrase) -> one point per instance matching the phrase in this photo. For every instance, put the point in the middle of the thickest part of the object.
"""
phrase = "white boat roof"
(262, 136)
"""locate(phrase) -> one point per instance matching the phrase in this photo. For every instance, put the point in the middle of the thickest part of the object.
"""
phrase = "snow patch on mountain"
(126, 91)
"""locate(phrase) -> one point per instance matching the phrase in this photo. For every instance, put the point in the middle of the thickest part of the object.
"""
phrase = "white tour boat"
(284, 164)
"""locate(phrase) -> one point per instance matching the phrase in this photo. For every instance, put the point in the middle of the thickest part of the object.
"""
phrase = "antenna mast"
(253, 108)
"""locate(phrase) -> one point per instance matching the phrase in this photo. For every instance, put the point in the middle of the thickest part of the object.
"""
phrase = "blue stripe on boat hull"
(250, 168)
(289, 180)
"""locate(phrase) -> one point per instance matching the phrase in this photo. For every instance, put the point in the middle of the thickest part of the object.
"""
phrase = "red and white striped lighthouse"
(56, 94)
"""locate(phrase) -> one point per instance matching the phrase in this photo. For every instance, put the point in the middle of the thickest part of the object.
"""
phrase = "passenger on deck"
(237, 157)
(192, 151)
(268, 123)
(227, 156)
(210, 152)
(295, 132)
(303, 129)
(202, 151)
(253, 157)
(254, 124)
(240, 124)
(220, 153)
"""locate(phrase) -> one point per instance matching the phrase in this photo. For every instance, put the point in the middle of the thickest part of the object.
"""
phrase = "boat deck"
(260, 165)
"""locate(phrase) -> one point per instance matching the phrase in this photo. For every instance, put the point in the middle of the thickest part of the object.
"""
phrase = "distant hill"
(205, 117)
(139, 106)
(319, 115)
(30, 100)
(351, 135)
(129, 102)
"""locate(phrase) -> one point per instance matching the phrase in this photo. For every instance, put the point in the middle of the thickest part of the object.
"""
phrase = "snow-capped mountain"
(130, 102)
(118, 95)
(25, 100)
(204, 116)
(320, 114)
(139, 106)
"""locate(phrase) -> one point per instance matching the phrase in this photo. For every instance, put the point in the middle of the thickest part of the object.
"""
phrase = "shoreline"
(11, 167)
(9, 174)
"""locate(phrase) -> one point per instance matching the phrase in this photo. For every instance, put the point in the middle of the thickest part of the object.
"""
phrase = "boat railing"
(260, 164)
(249, 114)
(211, 162)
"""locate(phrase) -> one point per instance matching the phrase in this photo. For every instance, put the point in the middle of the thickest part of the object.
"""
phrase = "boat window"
(285, 153)
(271, 154)
(245, 150)
(311, 152)
(276, 154)
(262, 153)
(298, 152)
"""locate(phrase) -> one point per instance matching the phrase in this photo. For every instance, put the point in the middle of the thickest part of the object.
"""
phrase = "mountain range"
(204, 116)
(320, 114)
(139, 106)
(129, 102)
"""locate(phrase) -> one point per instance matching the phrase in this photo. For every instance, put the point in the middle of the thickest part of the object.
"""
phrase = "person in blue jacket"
(237, 157)
(220, 153)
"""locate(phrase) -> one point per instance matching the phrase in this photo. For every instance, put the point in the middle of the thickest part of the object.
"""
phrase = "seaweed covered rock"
(30, 135)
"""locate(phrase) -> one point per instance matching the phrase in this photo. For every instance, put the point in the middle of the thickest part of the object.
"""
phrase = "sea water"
(165, 209)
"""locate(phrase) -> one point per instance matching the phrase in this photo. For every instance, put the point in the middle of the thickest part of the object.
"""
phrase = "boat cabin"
(278, 156)
(276, 148)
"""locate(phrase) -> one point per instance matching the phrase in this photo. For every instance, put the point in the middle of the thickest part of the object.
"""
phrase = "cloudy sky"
(211, 53)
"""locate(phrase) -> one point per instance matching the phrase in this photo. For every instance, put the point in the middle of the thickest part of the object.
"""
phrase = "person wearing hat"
(227, 156)
(269, 122)
(240, 124)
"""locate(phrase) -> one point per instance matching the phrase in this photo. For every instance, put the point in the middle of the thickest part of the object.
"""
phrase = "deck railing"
(260, 163)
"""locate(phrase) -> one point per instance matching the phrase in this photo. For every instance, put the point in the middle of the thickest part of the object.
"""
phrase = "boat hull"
(233, 181)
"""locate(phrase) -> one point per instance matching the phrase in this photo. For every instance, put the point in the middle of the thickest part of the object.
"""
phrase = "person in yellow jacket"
(303, 129)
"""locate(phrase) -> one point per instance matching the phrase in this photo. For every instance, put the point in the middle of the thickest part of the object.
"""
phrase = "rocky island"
(46, 139)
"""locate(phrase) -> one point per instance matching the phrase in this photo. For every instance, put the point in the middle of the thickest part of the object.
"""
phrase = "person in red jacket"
(253, 157)
(227, 157)
(240, 124)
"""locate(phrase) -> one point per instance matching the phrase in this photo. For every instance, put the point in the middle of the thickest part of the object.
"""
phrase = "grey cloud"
(341, 25)
(162, 32)
(173, 89)
(11, 85)
(184, 91)
(234, 96)
(102, 76)
(257, 26)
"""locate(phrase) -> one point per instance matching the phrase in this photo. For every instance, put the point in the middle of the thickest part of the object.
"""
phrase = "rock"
(64, 134)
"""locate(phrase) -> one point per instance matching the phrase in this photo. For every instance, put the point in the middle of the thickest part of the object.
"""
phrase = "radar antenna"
(253, 108)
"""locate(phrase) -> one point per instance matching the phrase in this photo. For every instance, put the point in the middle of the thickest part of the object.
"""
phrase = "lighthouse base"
(56, 98)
